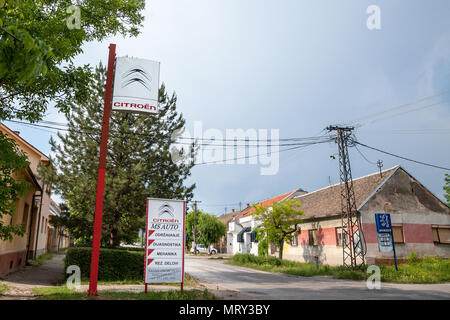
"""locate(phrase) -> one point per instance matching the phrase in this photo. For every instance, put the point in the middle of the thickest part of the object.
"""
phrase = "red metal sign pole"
(101, 173)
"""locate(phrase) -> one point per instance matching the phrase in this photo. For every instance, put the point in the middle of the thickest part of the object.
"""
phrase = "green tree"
(278, 222)
(37, 47)
(447, 188)
(139, 165)
(209, 228)
(62, 222)
(12, 185)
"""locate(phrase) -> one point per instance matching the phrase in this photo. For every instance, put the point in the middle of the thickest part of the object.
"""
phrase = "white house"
(241, 234)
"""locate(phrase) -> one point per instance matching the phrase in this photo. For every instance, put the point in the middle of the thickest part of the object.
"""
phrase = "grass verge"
(428, 270)
(3, 288)
(43, 257)
(189, 281)
(63, 293)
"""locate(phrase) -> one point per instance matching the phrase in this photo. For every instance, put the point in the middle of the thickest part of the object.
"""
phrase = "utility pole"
(353, 247)
(194, 227)
(380, 165)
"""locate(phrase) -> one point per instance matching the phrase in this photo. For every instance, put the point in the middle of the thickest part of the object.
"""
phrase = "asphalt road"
(245, 283)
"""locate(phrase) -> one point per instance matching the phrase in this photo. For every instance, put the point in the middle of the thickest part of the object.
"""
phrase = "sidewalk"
(21, 283)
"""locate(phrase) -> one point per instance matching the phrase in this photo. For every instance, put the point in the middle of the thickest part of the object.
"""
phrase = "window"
(26, 209)
(42, 225)
(294, 241)
(253, 236)
(313, 238)
(340, 237)
(397, 231)
(441, 234)
(240, 236)
(435, 234)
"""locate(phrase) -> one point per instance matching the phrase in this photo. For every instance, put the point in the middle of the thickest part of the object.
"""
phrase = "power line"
(323, 139)
(364, 156)
(405, 112)
(412, 131)
(253, 156)
(195, 138)
(94, 130)
(400, 106)
(404, 158)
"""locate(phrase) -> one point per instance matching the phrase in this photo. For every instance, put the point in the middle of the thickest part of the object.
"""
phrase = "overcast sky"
(298, 66)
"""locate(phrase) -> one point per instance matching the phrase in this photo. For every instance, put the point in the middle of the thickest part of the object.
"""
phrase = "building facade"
(32, 209)
(421, 221)
(241, 235)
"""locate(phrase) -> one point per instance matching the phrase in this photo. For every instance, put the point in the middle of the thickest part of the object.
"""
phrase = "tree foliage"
(12, 185)
(278, 222)
(139, 165)
(61, 222)
(447, 188)
(209, 228)
(37, 47)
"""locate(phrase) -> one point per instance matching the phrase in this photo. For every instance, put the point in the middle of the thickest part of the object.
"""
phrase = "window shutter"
(398, 234)
(444, 235)
(435, 234)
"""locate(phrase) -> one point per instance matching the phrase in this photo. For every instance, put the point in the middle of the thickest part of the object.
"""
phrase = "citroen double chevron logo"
(165, 209)
(136, 75)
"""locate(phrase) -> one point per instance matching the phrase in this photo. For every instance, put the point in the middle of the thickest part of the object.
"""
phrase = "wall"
(19, 243)
(327, 249)
(12, 253)
(411, 206)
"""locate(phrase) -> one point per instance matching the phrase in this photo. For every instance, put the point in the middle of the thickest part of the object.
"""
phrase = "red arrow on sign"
(150, 242)
(149, 261)
(150, 232)
(150, 251)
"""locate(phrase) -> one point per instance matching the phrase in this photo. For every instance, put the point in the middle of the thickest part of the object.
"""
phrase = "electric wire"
(93, 130)
(399, 107)
(401, 157)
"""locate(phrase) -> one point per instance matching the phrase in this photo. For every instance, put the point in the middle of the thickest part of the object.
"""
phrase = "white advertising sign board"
(136, 85)
(165, 236)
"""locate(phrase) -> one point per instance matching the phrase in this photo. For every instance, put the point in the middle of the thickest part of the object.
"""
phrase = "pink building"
(421, 221)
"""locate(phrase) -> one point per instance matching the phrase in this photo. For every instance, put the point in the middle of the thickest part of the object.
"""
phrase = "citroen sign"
(136, 85)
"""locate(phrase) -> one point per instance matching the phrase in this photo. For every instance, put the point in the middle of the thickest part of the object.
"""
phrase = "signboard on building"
(385, 236)
(164, 245)
(136, 85)
(383, 222)
(385, 242)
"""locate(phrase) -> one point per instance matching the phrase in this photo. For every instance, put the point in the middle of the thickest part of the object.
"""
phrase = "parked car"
(202, 249)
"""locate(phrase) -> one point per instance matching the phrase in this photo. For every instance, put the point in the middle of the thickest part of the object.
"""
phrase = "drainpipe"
(39, 221)
(30, 228)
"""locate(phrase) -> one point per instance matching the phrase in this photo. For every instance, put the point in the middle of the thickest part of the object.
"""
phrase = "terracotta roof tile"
(327, 201)
(265, 203)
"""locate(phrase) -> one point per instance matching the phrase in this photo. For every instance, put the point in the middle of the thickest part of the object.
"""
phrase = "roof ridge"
(336, 184)
(23, 139)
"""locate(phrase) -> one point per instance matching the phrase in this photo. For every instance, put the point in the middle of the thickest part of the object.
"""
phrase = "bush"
(114, 265)
(263, 248)
(413, 258)
(250, 258)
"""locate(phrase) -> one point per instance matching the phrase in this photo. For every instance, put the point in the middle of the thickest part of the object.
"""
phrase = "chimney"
(232, 210)
(17, 132)
(248, 205)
